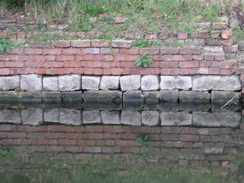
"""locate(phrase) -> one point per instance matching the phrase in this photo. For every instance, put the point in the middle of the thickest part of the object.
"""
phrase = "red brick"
(3, 34)
(33, 51)
(98, 57)
(152, 51)
(116, 71)
(36, 148)
(189, 138)
(182, 35)
(72, 64)
(11, 35)
(229, 64)
(108, 57)
(127, 64)
(81, 43)
(55, 135)
(189, 64)
(52, 51)
(203, 70)
(21, 35)
(163, 35)
(24, 20)
(14, 64)
(91, 50)
(132, 51)
(170, 137)
(219, 26)
(60, 71)
(190, 51)
(226, 72)
(199, 42)
(228, 42)
(34, 64)
(110, 51)
(5, 127)
(213, 42)
(150, 35)
(53, 64)
(71, 51)
(55, 148)
(233, 48)
(19, 51)
(216, 49)
(22, 71)
(107, 71)
(203, 34)
(98, 71)
(121, 43)
(73, 148)
(187, 57)
(61, 44)
(169, 64)
(215, 34)
(16, 134)
(177, 57)
(120, 19)
(100, 43)
(226, 34)
(169, 51)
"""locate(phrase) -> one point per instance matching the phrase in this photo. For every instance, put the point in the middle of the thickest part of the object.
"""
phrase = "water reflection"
(165, 134)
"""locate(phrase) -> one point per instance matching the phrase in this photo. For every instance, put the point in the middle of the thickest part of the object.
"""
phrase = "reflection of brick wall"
(181, 145)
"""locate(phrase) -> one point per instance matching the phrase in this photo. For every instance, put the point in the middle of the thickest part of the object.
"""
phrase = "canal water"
(121, 142)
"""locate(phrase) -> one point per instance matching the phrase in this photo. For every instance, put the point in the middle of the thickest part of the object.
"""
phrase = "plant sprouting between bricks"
(5, 45)
(145, 141)
(144, 60)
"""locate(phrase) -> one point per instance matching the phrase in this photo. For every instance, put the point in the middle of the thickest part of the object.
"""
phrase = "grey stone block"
(9, 82)
(219, 106)
(30, 97)
(131, 118)
(194, 106)
(132, 82)
(50, 83)
(90, 82)
(51, 115)
(150, 118)
(175, 118)
(72, 97)
(151, 97)
(107, 96)
(51, 97)
(10, 116)
(169, 106)
(32, 116)
(91, 117)
(133, 96)
(70, 117)
(149, 82)
(193, 96)
(109, 82)
(175, 82)
(216, 119)
(110, 117)
(31, 82)
(214, 150)
(69, 82)
(169, 95)
(8, 97)
(225, 96)
(228, 83)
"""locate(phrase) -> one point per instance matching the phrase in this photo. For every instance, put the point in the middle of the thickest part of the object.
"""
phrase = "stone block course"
(31, 82)
(69, 82)
(175, 82)
(149, 82)
(90, 82)
(9, 82)
(132, 82)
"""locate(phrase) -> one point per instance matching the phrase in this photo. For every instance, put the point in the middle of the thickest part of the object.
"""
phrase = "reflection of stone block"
(10, 116)
(169, 95)
(72, 97)
(133, 96)
(175, 82)
(32, 116)
(224, 96)
(69, 82)
(194, 106)
(175, 118)
(70, 117)
(132, 82)
(192, 96)
(106, 96)
(9, 82)
(90, 82)
(30, 97)
(151, 96)
(149, 82)
(51, 97)
(51, 115)
(8, 97)
(91, 117)
(109, 82)
(230, 83)
(131, 118)
(216, 119)
(150, 118)
(110, 117)
(31, 82)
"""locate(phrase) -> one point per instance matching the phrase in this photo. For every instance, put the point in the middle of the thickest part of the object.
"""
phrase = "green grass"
(48, 37)
(150, 15)
(140, 43)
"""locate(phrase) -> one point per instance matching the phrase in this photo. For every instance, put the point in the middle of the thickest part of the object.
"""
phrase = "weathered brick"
(169, 51)
(226, 34)
(190, 51)
(61, 44)
(121, 43)
(203, 34)
(213, 42)
(100, 43)
(81, 43)
(118, 20)
(215, 34)
(228, 42)
(219, 26)
(152, 51)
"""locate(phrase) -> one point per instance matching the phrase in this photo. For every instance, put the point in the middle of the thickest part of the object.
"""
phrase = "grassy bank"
(145, 15)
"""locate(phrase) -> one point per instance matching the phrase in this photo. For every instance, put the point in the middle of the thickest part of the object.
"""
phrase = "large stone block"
(150, 118)
(30, 97)
(151, 96)
(132, 82)
(109, 82)
(175, 118)
(10, 116)
(91, 117)
(225, 96)
(90, 82)
(70, 117)
(110, 117)
(50, 83)
(51, 115)
(193, 96)
(9, 82)
(31, 82)
(169, 95)
(149, 82)
(175, 82)
(131, 118)
(106, 96)
(69, 82)
(229, 83)
(216, 119)
(32, 116)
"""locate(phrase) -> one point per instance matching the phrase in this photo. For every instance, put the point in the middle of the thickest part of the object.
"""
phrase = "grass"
(150, 15)
(48, 37)
(140, 43)
(110, 171)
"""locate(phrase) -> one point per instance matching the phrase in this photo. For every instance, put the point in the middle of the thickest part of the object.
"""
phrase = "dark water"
(205, 137)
